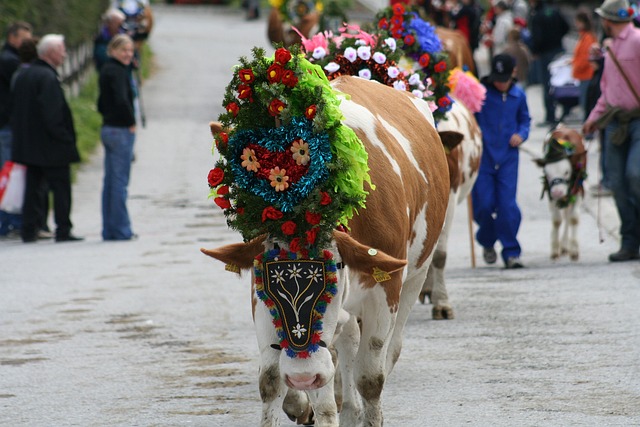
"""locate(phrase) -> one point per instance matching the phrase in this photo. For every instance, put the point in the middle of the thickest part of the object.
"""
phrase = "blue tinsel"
(278, 140)
(426, 35)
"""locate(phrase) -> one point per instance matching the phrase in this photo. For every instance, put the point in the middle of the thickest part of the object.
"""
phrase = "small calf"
(565, 168)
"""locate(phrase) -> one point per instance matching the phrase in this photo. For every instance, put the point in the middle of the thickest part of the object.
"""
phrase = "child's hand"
(515, 140)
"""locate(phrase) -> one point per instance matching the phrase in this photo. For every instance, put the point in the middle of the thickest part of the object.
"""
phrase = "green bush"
(77, 20)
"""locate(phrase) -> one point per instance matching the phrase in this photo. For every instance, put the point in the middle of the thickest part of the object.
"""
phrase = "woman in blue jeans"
(115, 103)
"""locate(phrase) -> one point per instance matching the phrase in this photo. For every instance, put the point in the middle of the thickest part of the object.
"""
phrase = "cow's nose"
(304, 382)
(557, 193)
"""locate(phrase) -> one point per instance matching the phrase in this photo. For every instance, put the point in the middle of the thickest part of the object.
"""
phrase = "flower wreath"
(420, 43)
(357, 53)
(288, 167)
(294, 10)
(297, 337)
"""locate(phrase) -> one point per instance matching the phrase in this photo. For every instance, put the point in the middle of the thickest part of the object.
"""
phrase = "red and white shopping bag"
(13, 180)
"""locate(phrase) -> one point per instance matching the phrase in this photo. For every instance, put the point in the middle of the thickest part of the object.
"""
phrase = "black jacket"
(548, 27)
(43, 131)
(9, 63)
(115, 102)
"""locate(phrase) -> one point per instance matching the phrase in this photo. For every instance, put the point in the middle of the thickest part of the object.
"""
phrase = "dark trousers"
(58, 180)
(542, 63)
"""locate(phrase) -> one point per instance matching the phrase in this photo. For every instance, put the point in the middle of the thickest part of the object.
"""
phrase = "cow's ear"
(540, 162)
(451, 139)
(364, 258)
(216, 128)
(238, 255)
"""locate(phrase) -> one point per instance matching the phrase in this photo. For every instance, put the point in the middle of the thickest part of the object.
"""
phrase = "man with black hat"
(618, 113)
(504, 121)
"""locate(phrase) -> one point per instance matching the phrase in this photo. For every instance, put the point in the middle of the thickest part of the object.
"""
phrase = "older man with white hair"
(45, 139)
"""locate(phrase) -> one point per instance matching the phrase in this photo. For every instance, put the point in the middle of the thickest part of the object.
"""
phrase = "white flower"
(351, 54)
(361, 42)
(298, 331)
(319, 52)
(380, 57)
(365, 73)
(314, 274)
(331, 67)
(278, 276)
(417, 93)
(364, 52)
(295, 271)
(391, 42)
(393, 72)
(414, 79)
(399, 85)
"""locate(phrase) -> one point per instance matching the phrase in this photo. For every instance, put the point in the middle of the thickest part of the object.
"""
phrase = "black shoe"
(29, 239)
(68, 238)
(489, 255)
(624, 255)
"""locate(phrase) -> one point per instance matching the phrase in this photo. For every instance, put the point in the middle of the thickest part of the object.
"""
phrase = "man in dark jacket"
(44, 138)
(547, 27)
(9, 63)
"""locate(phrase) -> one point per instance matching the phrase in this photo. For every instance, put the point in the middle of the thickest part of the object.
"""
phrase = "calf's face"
(557, 175)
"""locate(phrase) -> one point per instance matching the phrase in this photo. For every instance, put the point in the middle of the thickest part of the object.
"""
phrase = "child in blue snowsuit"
(504, 121)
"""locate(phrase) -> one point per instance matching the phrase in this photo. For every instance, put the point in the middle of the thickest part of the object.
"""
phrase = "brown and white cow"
(564, 165)
(456, 45)
(464, 163)
(396, 233)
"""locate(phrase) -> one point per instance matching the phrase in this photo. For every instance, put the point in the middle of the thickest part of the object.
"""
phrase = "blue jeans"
(118, 146)
(8, 221)
(623, 175)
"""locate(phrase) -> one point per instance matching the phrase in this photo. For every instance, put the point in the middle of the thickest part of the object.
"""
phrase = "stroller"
(564, 89)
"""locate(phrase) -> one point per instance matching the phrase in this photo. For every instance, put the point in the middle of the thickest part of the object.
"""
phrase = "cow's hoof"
(575, 257)
(423, 297)
(555, 256)
(442, 313)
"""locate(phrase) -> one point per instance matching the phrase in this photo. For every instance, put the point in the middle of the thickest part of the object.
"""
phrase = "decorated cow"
(565, 169)
(340, 192)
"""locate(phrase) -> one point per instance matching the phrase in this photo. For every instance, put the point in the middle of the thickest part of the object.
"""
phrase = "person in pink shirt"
(618, 112)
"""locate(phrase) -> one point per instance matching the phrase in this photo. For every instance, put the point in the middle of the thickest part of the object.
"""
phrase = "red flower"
(424, 60)
(271, 213)
(274, 73)
(244, 91)
(282, 56)
(294, 245)
(444, 102)
(240, 211)
(396, 33)
(222, 202)
(215, 176)
(398, 9)
(224, 136)
(311, 235)
(312, 218)
(397, 21)
(310, 112)
(276, 107)
(246, 75)
(289, 78)
(223, 190)
(383, 24)
(325, 198)
(222, 139)
(289, 228)
(440, 67)
(409, 40)
(232, 107)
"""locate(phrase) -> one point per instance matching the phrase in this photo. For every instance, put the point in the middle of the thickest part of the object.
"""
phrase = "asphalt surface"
(153, 333)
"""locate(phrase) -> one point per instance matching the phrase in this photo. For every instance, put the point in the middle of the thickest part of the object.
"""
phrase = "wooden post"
(471, 240)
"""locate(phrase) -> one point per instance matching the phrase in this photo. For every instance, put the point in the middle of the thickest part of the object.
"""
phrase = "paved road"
(152, 333)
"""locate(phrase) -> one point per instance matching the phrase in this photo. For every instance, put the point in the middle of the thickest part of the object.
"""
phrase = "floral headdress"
(355, 52)
(288, 167)
(420, 43)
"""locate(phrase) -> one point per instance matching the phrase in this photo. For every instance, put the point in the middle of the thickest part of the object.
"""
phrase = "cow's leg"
(324, 406)
(573, 221)
(556, 221)
(434, 285)
(347, 345)
(272, 391)
(377, 326)
(298, 407)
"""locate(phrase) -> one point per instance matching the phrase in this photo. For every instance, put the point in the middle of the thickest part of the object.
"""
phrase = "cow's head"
(297, 303)
(564, 157)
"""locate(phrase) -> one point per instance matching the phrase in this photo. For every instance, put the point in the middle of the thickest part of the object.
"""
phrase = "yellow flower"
(279, 179)
(249, 161)
(276, 3)
(300, 150)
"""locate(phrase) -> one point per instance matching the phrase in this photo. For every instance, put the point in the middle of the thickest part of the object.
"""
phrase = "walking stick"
(471, 241)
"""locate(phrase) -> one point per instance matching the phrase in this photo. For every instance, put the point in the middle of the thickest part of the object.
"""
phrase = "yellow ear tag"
(232, 268)
(380, 276)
